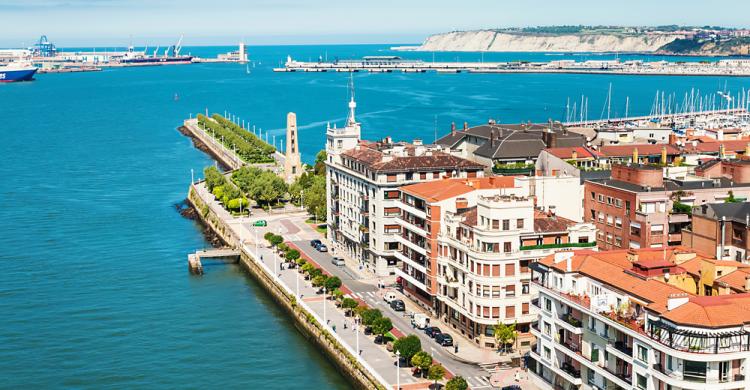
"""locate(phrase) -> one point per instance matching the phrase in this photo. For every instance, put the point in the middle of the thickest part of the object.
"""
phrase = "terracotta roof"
(437, 190)
(372, 154)
(613, 269)
(713, 147)
(567, 153)
(544, 223)
(736, 279)
(643, 150)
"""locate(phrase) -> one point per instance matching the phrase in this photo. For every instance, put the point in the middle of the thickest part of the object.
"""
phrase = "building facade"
(466, 249)
(721, 230)
(637, 320)
(363, 180)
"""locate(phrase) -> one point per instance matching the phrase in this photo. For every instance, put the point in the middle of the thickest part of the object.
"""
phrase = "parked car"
(322, 248)
(379, 339)
(260, 223)
(337, 261)
(444, 339)
(368, 330)
(420, 321)
(398, 305)
(512, 387)
(432, 331)
(315, 243)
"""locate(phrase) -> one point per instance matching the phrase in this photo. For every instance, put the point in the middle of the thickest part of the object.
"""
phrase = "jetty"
(675, 117)
(391, 64)
(195, 264)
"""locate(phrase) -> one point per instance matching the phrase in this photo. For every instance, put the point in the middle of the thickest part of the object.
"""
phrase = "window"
(423, 176)
(409, 176)
(525, 288)
(618, 241)
(510, 290)
(593, 195)
(510, 269)
(524, 308)
(594, 353)
(600, 198)
(547, 328)
(506, 224)
(519, 223)
(495, 224)
(590, 377)
(547, 353)
(593, 214)
(507, 247)
(618, 203)
(641, 381)
(642, 354)
(510, 311)
(548, 304)
(601, 217)
(391, 178)
(618, 222)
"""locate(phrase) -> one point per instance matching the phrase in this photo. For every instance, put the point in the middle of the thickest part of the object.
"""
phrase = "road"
(477, 376)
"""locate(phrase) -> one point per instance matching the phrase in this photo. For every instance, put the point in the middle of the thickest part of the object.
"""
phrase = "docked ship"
(17, 71)
(171, 56)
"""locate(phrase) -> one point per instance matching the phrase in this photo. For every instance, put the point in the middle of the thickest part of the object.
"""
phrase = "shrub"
(408, 346)
(276, 240)
(319, 280)
(421, 359)
(292, 255)
(349, 304)
(333, 283)
(457, 383)
(436, 373)
(369, 316)
(382, 325)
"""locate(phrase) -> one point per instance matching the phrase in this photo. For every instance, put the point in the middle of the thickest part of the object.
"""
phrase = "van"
(337, 261)
(389, 296)
(420, 321)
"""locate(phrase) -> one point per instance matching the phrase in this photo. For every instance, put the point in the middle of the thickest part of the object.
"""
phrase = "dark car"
(315, 243)
(432, 331)
(398, 305)
(512, 387)
(444, 339)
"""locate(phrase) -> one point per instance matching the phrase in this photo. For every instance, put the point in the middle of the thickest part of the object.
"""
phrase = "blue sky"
(92, 22)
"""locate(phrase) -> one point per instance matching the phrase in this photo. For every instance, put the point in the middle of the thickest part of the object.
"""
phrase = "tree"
(436, 373)
(320, 163)
(292, 255)
(369, 316)
(283, 248)
(421, 359)
(319, 280)
(349, 304)
(268, 236)
(213, 178)
(307, 267)
(408, 346)
(731, 198)
(301, 261)
(337, 294)
(505, 334)
(315, 272)
(382, 325)
(276, 240)
(314, 199)
(457, 383)
(333, 283)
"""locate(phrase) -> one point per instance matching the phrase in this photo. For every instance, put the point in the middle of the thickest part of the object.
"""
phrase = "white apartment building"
(466, 245)
(362, 189)
(649, 319)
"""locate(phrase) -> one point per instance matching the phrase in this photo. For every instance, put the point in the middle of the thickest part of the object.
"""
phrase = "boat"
(171, 56)
(17, 71)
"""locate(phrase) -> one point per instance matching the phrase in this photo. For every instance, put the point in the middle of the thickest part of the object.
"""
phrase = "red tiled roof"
(369, 154)
(437, 190)
(643, 150)
(567, 152)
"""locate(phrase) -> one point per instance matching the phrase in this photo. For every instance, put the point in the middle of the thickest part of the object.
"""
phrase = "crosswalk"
(362, 295)
(478, 382)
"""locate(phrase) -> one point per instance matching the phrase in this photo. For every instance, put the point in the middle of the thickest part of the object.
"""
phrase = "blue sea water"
(94, 288)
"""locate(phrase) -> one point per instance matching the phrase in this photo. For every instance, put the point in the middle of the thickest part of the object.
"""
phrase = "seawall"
(304, 320)
(226, 157)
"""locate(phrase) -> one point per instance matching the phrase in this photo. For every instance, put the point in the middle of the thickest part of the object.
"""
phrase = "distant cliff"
(731, 47)
(490, 40)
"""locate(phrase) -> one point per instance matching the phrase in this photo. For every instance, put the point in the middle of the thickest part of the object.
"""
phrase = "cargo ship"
(16, 71)
(171, 56)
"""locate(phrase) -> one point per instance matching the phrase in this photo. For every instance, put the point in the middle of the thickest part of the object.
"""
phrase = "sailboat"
(247, 69)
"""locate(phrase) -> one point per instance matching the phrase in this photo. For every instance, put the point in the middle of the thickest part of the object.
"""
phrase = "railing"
(571, 320)
(623, 347)
(561, 245)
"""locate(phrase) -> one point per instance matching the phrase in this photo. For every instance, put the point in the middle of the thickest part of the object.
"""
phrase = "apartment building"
(635, 206)
(466, 246)
(720, 229)
(647, 319)
(362, 189)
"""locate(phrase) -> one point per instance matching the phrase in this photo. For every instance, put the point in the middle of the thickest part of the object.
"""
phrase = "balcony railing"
(570, 369)
(624, 348)
(571, 320)
(561, 245)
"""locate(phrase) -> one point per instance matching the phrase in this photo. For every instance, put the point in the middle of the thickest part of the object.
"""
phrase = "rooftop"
(672, 185)
(405, 157)
(438, 190)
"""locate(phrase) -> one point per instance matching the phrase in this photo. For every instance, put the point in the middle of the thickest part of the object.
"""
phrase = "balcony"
(571, 324)
(689, 380)
(559, 246)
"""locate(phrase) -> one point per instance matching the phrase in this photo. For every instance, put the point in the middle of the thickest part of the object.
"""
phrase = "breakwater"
(305, 320)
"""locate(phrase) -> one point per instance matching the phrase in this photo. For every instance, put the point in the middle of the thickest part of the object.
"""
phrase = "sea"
(94, 286)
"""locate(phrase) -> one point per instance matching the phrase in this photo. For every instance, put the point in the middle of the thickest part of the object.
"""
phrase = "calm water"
(94, 289)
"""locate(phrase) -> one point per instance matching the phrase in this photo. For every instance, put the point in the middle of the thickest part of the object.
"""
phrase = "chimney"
(664, 155)
(747, 283)
(635, 156)
(466, 126)
(567, 257)
(676, 300)
(492, 138)
(672, 139)
(632, 256)
(722, 151)
(747, 150)
(453, 128)
(574, 155)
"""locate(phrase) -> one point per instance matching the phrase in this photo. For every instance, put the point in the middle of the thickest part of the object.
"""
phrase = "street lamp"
(324, 306)
(297, 280)
(356, 330)
(398, 368)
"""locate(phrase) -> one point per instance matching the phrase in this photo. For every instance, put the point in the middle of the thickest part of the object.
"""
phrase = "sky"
(115, 22)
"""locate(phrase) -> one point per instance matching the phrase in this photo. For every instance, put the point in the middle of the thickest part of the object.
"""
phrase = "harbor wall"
(223, 155)
(305, 321)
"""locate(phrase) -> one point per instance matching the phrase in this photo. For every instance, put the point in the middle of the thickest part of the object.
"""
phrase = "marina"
(388, 64)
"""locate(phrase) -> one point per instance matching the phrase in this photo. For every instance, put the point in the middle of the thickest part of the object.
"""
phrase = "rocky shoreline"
(198, 144)
(187, 211)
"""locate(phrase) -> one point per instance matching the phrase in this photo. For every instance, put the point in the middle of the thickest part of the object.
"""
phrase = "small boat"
(247, 69)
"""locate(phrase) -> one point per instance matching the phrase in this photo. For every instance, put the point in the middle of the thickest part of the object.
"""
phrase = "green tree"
(301, 262)
(333, 283)
(315, 272)
(213, 178)
(268, 236)
(319, 280)
(320, 163)
(307, 268)
(292, 255)
(731, 198)
(505, 334)
(349, 304)
(337, 294)
(382, 325)
(369, 316)
(408, 346)
(436, 373)
(457, 383)
(276, 240)
(421, 359)
(315, 198)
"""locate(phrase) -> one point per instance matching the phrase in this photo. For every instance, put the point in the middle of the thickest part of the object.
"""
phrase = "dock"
(195, 264)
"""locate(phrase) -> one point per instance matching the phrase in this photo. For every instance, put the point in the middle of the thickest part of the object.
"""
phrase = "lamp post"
(398, 368)
(356, 330)
(297, 281)
(325, 320)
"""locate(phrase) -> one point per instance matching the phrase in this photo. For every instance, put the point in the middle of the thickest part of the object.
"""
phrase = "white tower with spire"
(341, 139)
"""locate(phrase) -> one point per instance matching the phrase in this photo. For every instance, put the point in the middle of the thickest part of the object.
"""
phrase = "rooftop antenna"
(435, 130)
